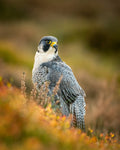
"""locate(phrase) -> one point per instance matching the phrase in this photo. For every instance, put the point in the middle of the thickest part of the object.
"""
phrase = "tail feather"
(78, 112)
(64, 108)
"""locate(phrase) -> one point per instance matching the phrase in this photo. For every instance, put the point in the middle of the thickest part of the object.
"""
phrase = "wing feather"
(69, 88)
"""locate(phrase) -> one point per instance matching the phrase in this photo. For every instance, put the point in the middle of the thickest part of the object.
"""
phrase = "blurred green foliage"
(8, 55)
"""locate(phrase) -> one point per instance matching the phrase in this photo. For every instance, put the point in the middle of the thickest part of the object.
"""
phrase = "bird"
(48, 66)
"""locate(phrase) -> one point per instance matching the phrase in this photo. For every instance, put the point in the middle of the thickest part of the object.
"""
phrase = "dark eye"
(48, 42)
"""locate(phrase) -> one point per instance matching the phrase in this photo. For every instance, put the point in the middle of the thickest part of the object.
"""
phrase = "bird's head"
(48, 45)
(47, 50)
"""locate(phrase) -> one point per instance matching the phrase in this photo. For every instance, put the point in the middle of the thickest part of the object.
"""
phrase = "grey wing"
(73, 96)
(69, 87)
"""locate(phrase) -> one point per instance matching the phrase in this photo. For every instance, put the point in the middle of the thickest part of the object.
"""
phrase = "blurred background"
(89, 41)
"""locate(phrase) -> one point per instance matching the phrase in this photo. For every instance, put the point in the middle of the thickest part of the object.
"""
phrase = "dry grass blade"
(23, 86)
(55, 90)
(43, 97)
(33, 93)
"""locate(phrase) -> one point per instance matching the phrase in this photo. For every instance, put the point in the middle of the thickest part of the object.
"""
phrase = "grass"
(27, 125)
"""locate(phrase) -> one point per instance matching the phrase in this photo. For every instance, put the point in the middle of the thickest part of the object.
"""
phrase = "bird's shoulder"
(57, 65)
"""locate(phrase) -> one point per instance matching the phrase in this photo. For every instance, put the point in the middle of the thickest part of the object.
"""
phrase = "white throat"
(42, 57)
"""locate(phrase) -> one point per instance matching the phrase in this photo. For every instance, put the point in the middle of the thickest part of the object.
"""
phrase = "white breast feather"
(42, 57)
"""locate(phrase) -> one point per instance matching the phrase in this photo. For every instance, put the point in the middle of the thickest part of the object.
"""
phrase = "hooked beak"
(54, 44)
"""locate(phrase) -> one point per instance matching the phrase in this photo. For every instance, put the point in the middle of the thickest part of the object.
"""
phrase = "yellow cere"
(53, 43)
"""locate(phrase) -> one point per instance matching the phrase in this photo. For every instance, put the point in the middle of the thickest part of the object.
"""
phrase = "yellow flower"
(8, 85)
(90, 130)
(112, 135)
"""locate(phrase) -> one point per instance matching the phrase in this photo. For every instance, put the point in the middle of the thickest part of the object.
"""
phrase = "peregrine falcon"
(48, 66)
